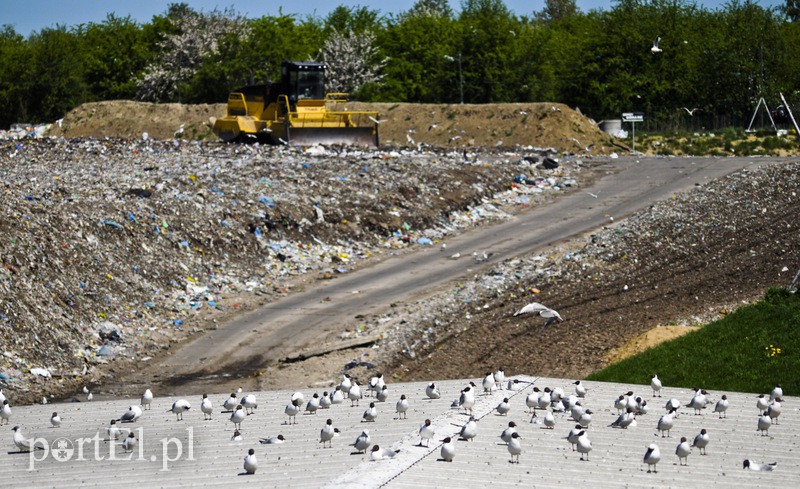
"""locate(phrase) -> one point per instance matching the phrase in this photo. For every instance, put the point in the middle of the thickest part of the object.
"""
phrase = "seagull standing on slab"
(722, 407)
(584, 445)
(237, 416)
(432, 391)
(249, 403)
(179, 407)
(401, 407)
(448, 451)
(114, 433)
(22, 443)
(682, 451)
(250, 462)
(5, 412)
(132, 414)
(147, 398)
(655, 384)
(776, 392)
(542, 310)
(701, 441)
(363, 442)
(377, 453)
(327, 433)
(651, 457)
(55, 420)
(206, 407)
(425, 432)
(514, 447)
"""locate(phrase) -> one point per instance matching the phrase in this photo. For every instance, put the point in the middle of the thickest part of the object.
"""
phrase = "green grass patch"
(750, 350)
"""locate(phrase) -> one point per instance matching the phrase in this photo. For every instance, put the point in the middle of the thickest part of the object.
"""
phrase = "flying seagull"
(655, 49)
(542, 310)
(690, 111)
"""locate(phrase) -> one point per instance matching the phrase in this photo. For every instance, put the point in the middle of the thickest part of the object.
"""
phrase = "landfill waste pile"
(116, 249)
(684, 261)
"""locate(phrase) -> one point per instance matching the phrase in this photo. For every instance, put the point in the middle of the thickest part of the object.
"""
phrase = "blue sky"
(33, 15)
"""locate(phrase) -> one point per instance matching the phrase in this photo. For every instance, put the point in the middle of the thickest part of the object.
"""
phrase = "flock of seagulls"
(549, 407)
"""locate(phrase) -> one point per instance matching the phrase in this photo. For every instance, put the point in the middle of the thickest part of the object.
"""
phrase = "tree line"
(661, 57)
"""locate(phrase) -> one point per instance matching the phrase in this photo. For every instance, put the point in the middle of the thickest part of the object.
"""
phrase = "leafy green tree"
(14, 68)
(55, 82)
(116, 53)
(417, 43)
(487, 39)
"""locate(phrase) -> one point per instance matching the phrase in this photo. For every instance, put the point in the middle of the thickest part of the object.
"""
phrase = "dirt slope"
(456, 126)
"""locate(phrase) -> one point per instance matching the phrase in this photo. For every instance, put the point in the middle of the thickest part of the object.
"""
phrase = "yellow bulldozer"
(295, 111)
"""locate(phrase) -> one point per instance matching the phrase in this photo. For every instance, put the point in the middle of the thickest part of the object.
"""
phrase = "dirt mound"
(541, 125)
(129, 119)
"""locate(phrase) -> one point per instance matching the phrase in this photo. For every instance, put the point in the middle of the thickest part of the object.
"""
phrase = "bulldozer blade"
(356, 136)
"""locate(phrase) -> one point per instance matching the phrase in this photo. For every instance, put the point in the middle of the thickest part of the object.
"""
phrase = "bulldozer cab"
(303, 80)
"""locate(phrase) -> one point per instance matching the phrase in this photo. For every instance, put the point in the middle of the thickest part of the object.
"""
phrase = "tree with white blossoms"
(182, 53)
(352, 61)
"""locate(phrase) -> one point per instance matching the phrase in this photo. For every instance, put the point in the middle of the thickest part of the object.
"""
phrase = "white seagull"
(655, 384)
(506, 434)
(682, 451)
(655, 49)
(363, 442)
(147, 398)
(132, 414)
(22, 443)
(722, 406)
(774, 409)
(584, 445)
(237, 416)
(488, 383)
(426, 432)
(249, 403)
(179, 407)
(467, 399)
(666, 422)
(701, 441)
(250, 462)
(514, 447)
(500, 378)
(432, 391)
(762, 403)
(230, 403)
(448, 451)
(690, 111)
(572, 436)
(327, 433)
(580, 389)
(292, 409)
(382, 394)
(503, 408)
(401, 407)
(313, 404)
(470, 429)
(114, 433)
(370, 414)
(5, 412)
(272, 440)
(776, 392)
(237, 436)
(354, 394)
(747, 464)
(55, 420)
(652, 457)
(379, 453)
(206, 407)
(542, 310)
(764, 422)
(129, 443)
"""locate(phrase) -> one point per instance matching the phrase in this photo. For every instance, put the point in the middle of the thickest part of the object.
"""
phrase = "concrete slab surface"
(194, 452)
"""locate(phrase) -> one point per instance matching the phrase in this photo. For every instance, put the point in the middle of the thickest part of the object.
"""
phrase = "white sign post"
(633, 118)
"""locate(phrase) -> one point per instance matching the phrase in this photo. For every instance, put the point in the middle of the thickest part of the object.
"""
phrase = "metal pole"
(460, 79)
(633, 137)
